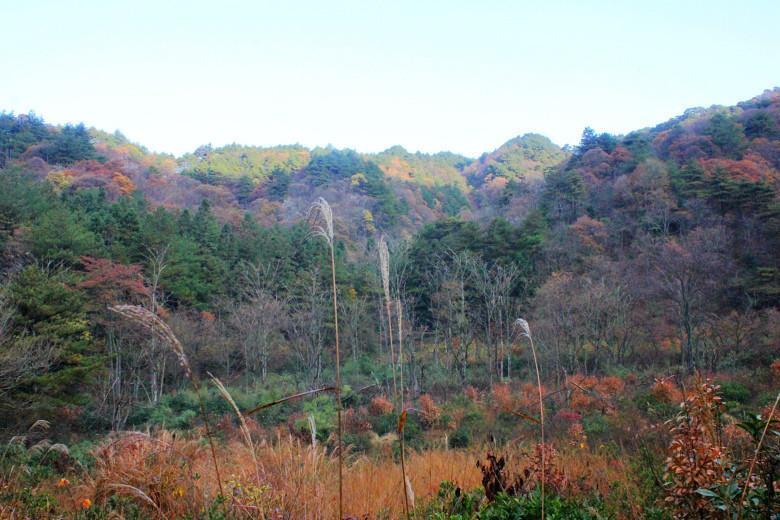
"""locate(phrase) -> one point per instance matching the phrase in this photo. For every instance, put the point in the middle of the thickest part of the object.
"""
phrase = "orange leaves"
(591, 234)
(503, 397)
(666, 391)
(591, 393)
(430, 412)
(109, 282)
(111, 176)
(124, 185)
(621, 154)
(380, 406)
(751, 168)
(695, 455)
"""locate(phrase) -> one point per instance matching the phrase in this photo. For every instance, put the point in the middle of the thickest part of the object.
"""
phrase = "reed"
(400, 345)
(384, 268)
(159, 328)
(526, 331)
(404, 480)
(320, 218)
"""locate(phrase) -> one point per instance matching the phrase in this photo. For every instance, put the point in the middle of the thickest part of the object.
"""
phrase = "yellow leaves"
(368, 221)
(61, 179)
(357, 180)
(125, 185)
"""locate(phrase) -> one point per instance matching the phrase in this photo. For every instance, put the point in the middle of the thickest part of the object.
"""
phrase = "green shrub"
(595, 426)
(460, 438)
(360, 442)
(731, 391)
(454, 504)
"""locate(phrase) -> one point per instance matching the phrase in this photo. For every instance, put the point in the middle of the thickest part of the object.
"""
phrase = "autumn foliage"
(696, 454)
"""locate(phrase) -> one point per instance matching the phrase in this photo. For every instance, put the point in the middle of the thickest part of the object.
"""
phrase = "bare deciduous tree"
(355, 319)
(688, 273)
(306, 324)
(494, 286)
(258, 322)
(448, 281)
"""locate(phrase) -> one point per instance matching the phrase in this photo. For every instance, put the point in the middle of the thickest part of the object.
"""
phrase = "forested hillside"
(634, 258)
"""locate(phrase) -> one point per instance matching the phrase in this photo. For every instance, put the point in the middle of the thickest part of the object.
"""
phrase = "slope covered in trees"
(523, 158)
(674, 226)
(633, 258)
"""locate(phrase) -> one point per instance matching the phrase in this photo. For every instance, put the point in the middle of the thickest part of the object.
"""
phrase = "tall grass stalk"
(244, 426)
(384, 267)
(407, 485)
(159, 328)
(404, 481)
(755, 455)
(400, 345)
(526, 331)
(321, 221)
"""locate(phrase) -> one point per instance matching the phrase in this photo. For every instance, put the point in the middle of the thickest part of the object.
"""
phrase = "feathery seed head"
(409, 490)
(520, 322)
(226, 394)
(384, 266)
(320, 219)
(40, 424)
(157, 327)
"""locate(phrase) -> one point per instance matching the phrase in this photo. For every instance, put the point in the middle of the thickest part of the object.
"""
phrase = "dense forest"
(645, 264)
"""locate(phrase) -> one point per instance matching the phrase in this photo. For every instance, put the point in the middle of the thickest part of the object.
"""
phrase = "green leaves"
(755, 425)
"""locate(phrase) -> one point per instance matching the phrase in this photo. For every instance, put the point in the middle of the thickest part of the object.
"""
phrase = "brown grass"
(173, 477)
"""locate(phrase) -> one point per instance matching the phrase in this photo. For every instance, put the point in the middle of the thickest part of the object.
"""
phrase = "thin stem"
(755, 456)
(401, 431)
(541, 407)
(403, 476)
(392, 353)
(541, 413)
(400, 348)
(338, 383)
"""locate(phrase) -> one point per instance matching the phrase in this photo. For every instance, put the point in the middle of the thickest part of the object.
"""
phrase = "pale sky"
(369, 74)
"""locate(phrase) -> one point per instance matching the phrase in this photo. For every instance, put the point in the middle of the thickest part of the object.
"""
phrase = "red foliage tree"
(109, 283)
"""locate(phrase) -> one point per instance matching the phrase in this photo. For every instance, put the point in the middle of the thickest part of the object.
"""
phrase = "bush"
(731, 391)
(360, 442)
(460, 438)
(431, 413)
(595, 426)
(454, 504)
(380, 406)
